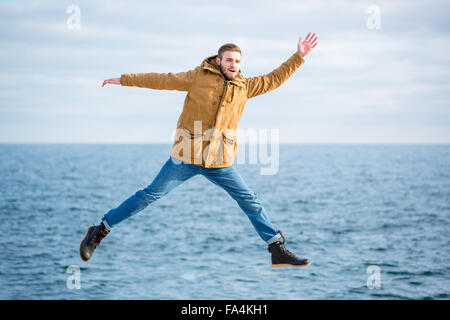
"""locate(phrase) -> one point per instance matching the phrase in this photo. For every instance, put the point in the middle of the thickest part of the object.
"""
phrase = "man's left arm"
(262, 84)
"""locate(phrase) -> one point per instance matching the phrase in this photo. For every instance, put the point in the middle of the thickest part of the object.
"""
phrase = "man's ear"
(218, 61)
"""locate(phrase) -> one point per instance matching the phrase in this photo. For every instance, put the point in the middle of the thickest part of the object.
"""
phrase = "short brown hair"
(228, 47)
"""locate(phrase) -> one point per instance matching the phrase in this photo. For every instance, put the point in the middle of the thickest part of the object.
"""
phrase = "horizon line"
(245, 142)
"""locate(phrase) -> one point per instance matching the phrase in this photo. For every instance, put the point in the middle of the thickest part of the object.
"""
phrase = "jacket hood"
(210, 64)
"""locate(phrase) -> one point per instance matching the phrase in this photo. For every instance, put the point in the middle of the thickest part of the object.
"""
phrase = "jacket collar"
(210, 64)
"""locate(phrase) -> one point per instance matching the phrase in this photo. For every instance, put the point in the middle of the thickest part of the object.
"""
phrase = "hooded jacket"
(206, 129)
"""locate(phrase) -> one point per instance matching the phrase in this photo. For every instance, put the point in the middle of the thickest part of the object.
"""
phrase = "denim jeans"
(175, 172)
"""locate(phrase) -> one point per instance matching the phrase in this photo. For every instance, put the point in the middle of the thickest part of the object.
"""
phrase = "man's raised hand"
(111, 81)
(305, 47)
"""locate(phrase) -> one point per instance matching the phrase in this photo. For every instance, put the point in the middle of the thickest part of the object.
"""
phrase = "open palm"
(111, 81)
(305, 47)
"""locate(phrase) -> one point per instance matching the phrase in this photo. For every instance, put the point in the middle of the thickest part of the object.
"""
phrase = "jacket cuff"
(123, 80)
(298, 60)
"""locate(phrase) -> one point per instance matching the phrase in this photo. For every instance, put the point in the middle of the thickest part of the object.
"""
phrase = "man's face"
(229, 64)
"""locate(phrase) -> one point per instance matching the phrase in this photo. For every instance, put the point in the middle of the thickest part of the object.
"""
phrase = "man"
(205, 141)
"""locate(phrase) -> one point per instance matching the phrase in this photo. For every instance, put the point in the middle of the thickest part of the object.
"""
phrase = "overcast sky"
(378, 75)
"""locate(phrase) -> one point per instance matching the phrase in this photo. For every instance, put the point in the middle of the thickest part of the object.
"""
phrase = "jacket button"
(214, 103)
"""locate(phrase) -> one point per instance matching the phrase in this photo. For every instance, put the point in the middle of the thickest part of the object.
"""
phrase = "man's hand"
(111, 81)
(305, 47)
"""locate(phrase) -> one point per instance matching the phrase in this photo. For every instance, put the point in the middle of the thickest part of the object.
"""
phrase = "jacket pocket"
(229, 144)
(187, 146)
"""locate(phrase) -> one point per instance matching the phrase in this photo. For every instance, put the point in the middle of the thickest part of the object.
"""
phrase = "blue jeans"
(175, 172)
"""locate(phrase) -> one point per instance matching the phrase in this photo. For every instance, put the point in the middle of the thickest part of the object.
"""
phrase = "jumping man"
(205, 140)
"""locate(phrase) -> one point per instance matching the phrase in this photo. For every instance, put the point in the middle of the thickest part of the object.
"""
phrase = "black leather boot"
(282, 257)
(91, 240)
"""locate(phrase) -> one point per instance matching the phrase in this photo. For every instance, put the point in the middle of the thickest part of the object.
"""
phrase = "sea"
(374, 219)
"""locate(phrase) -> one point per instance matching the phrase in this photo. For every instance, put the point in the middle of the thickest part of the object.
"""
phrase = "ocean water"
(373, 219)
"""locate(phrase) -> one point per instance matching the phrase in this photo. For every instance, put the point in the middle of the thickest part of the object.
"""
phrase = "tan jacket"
(207, 126)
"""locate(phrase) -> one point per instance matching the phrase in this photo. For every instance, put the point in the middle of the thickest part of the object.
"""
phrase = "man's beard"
(222, 70)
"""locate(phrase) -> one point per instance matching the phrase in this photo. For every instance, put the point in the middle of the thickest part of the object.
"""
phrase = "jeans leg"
(231, 181)
(170, 176)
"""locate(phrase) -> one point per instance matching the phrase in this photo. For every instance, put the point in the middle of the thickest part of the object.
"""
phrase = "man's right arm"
(162, 81)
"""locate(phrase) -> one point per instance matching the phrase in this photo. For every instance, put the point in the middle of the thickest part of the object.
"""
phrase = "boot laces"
(101, 234)
(286, 251)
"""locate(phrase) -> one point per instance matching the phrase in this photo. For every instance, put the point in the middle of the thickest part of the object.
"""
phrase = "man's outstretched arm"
(271, 81)
(162, 81)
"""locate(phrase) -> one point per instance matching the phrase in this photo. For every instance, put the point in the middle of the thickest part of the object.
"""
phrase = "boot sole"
(289, 265)
(79, 250)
